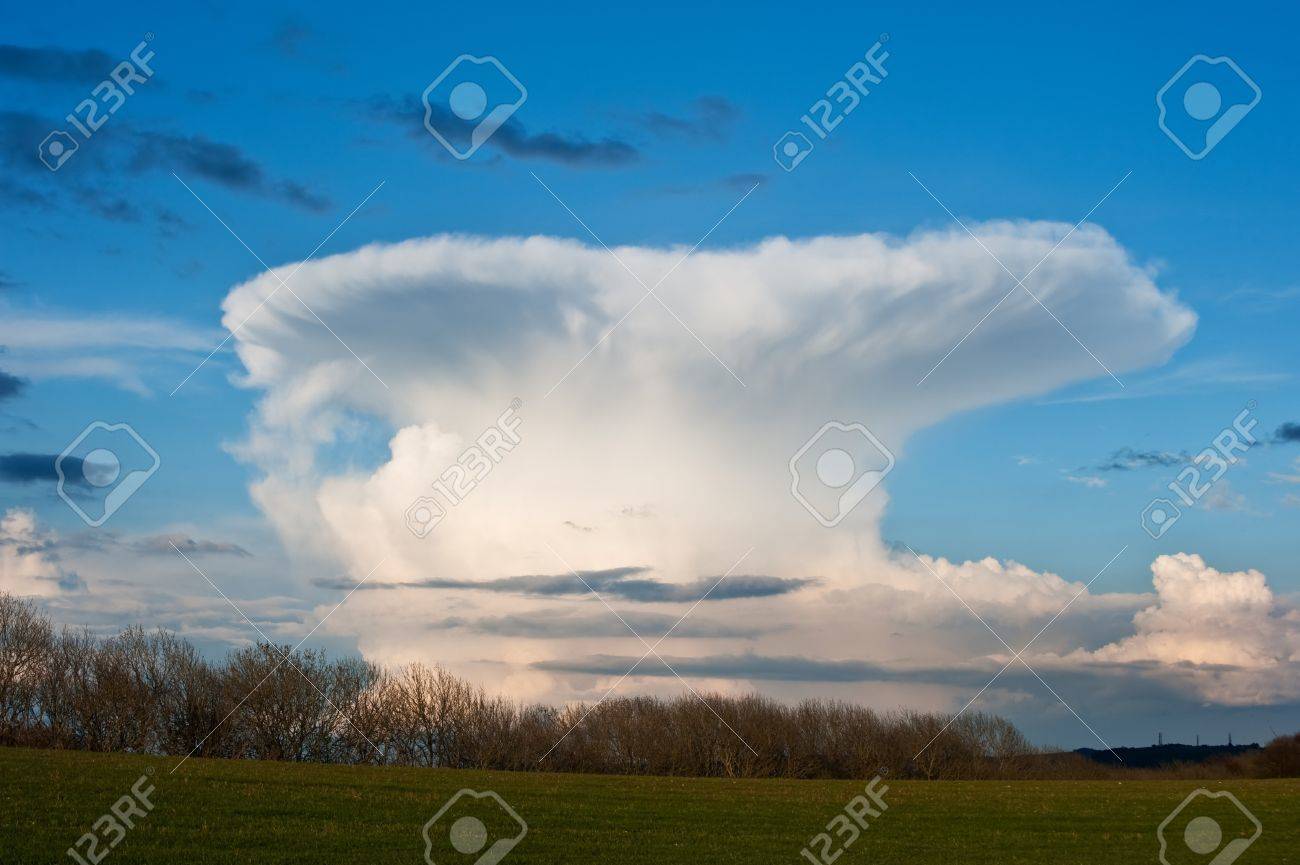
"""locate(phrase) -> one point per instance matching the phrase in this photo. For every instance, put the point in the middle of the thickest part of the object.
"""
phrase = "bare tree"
(25, 638)
(434, 707)
(153, 692)
(287, 715)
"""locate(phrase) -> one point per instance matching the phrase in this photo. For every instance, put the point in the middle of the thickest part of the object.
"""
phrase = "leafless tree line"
(153, 692)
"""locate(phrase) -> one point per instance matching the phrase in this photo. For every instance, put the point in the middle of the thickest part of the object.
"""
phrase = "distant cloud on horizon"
(550, 624)
(621, 583)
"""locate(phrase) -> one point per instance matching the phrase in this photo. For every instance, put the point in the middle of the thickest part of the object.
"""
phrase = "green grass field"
(215, 811)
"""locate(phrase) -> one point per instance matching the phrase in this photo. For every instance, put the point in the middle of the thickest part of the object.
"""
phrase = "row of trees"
(152, 692)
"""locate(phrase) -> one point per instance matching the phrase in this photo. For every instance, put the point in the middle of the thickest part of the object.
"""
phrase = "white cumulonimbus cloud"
(657, 436)
(1224, 630)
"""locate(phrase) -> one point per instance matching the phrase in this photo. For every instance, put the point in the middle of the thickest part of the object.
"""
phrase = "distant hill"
(1154, 756)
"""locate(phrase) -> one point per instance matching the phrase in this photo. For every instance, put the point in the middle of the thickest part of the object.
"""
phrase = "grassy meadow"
(218, 811)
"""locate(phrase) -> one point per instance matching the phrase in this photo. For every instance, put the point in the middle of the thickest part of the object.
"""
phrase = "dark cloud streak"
(220, 163)
(169, 544)
(786, 668)
(710, 117)
(10, 386)
(1127, 459)
(624, 583)
(54, 64)
(22, 468)
(512, 138)
(574, 151)
(152, 545)
(1287, 433)
(548, 624)
(139, 151)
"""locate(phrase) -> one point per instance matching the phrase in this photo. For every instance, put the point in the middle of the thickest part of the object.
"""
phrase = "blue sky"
(668, 117)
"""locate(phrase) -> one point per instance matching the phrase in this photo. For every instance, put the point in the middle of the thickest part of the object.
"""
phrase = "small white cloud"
(28, 566)
(1222, 497)
(1223, 629)
(1090, 481)
(1283, 477)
